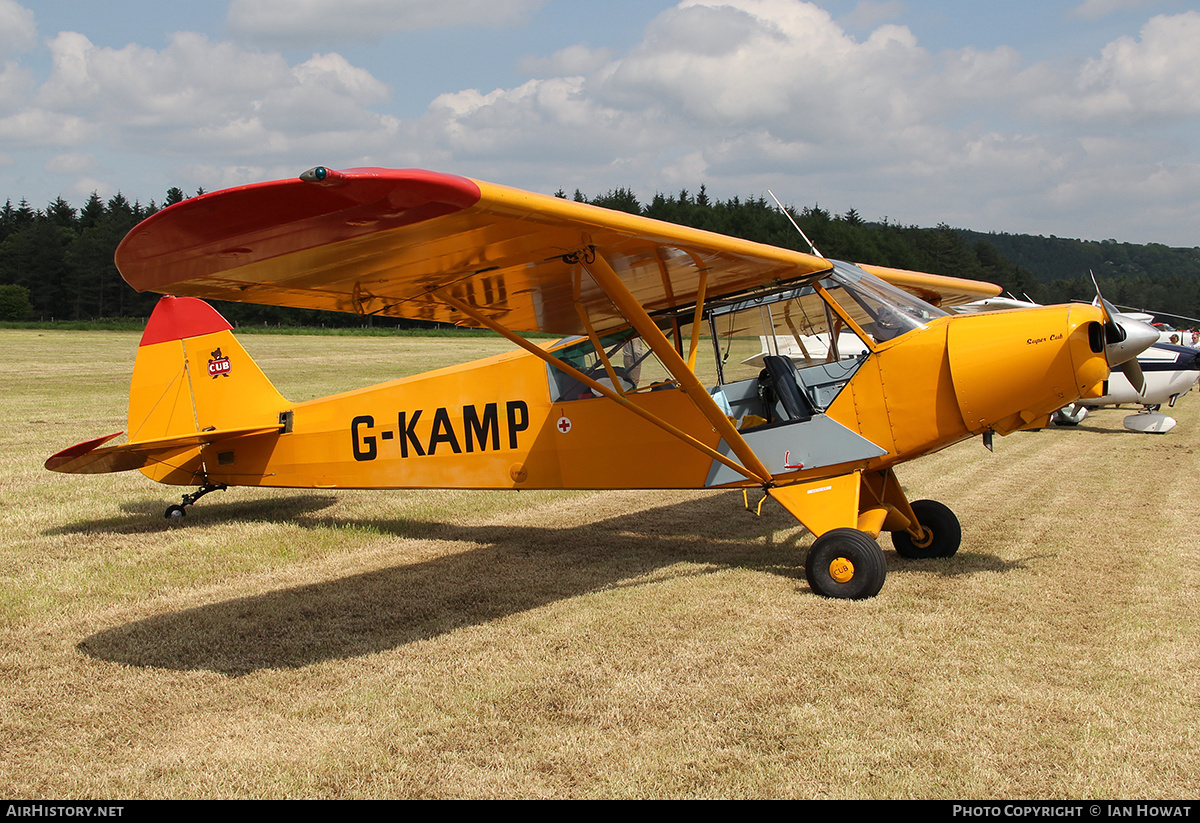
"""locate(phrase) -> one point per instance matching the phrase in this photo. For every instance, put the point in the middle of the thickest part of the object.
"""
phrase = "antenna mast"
(794, 224)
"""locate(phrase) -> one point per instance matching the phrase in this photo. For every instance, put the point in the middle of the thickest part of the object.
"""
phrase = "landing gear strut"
(178, 510)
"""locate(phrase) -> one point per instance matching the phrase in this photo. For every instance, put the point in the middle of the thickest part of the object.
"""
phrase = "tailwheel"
(847, 564)
(179, 510)
(941, 532)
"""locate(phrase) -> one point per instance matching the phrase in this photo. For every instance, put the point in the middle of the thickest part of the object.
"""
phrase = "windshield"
(881, 309)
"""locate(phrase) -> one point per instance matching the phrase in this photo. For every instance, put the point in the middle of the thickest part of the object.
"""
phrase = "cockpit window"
(633, 364)
(807, 326)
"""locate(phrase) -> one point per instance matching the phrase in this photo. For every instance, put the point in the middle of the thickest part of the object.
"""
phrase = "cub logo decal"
(218, 365)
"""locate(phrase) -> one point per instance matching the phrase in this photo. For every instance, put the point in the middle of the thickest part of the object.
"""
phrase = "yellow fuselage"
(491, 424)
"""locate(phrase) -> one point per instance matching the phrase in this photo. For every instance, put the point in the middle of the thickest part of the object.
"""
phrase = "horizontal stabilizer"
(90, 458)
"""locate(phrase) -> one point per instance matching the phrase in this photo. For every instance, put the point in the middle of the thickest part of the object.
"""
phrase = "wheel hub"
(841, 570)
(924, 539)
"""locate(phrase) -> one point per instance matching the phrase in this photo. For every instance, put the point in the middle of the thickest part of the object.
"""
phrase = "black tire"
(846, 564)
(943, 532)
(175, 512)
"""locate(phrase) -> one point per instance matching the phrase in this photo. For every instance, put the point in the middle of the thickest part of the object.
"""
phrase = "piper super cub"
(624, 400)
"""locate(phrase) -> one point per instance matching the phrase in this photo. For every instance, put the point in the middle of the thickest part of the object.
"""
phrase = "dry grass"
(441, 644)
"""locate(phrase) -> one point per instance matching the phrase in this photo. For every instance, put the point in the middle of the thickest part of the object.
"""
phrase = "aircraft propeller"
(1124, 339)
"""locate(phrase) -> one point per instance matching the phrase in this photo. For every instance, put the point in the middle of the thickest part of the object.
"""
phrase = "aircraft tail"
(193, 385)
(192, 375)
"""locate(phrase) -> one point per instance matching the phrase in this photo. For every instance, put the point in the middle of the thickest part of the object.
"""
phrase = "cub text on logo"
(218, 366)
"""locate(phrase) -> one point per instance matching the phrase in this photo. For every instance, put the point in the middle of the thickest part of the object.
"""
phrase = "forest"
(56, 263)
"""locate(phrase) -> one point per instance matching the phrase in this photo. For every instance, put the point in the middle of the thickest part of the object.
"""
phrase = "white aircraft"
(1170, 372)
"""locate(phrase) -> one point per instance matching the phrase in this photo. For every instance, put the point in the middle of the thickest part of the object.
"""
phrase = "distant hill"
(1153, 277)
(1058, 258)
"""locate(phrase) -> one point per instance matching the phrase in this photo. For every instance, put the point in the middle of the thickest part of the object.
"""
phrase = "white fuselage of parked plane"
(1170, 372)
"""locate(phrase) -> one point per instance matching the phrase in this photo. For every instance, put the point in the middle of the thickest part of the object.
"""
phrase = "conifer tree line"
(56, 263)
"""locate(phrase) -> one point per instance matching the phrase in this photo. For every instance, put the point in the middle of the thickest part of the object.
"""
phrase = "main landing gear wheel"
(943, 534)
(847, 564)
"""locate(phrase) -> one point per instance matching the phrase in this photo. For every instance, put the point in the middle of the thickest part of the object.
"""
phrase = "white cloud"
(326, 22)
(333, 73)
(781, 65)
(16, 82)
(1156, 76)
(34, 128)
(18, 31)
(196, 95)
(83, 187)
(191, 81)
(548, 119)
(195, 98)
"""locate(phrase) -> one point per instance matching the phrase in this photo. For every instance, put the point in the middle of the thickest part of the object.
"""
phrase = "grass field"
(580, 644)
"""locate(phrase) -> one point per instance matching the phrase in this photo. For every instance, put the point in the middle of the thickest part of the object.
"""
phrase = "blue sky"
(1078, 119)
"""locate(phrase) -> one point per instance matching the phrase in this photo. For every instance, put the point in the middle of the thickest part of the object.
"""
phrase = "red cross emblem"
(564, 425)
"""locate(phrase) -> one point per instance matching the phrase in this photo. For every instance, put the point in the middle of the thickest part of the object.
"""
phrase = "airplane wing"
(380, 242)
(936, 289)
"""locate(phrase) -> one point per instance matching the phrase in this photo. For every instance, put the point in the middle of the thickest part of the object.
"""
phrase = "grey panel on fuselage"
(823, 381)
(820, 441)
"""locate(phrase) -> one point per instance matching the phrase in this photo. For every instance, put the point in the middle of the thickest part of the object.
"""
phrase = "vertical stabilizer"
(192, 375)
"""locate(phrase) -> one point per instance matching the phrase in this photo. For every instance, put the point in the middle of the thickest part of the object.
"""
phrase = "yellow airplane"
(623, 401)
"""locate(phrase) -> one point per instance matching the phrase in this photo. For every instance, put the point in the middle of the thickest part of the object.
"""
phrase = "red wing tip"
(187, 244)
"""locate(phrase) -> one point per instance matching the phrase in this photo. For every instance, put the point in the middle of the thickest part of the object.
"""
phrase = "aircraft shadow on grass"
(146, 515)
(507, 570)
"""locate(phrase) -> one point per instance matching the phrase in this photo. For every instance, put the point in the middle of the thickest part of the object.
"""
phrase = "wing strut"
(608, 366)
(628, 305)
(698, 316)
(542, 354)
